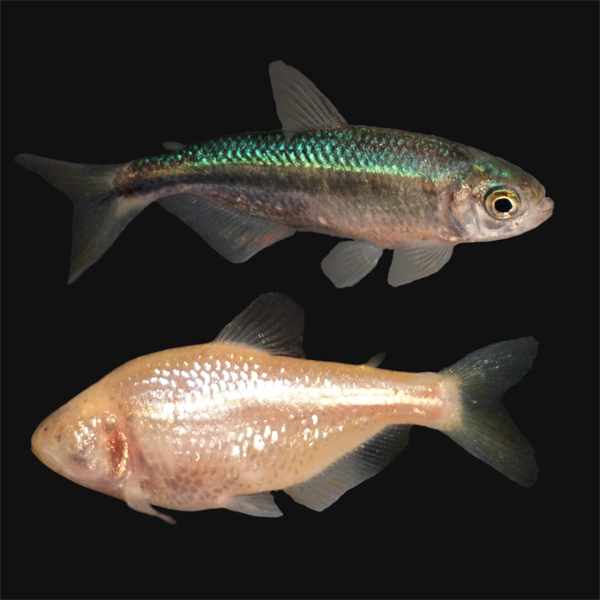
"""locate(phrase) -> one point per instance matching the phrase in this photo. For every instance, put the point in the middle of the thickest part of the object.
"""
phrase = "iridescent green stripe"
(354, 150)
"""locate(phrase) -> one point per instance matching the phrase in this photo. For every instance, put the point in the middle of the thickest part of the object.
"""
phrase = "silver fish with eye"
(419, 195)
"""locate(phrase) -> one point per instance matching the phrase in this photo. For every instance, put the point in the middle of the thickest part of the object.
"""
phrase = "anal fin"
(234, 235)
(364, 462)
(350, 261)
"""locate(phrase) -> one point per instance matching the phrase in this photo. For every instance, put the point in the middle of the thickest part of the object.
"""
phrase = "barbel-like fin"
(300, 105)
(486, 429)
(234, 235)
(350, 261)
(364, 462)
(420, 259)
(273, 323)
(257, 505)
(173, 146)
(99, 215)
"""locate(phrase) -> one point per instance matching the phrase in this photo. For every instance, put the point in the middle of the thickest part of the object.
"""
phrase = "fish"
(223, 424)
(419, 195)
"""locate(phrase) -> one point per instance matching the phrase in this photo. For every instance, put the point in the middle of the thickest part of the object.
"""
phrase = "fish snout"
(542, 212)
(546, 206)
(43, 441)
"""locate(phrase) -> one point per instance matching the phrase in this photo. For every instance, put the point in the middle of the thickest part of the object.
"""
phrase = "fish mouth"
(46, 458)
(544, 211)
(546, 206)
(40, 447)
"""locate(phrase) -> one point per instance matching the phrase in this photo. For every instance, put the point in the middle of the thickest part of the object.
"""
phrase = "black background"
(109, 83)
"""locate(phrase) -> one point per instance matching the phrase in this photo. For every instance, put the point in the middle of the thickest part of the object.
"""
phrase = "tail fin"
(486, 430)
(98, 216)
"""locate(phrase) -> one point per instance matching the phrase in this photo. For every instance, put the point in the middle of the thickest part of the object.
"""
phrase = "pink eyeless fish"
(222, 424)
(419, 195)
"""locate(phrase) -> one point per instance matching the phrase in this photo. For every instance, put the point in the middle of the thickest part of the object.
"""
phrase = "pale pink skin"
(190, 428)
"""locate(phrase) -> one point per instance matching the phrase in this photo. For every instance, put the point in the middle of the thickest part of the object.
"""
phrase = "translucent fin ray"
(273, 322)
(257, 505)
(376, 360)
(173, 146)
(136, 499)
(418, 260)
(350, 261)
(486, 429)
(99, 215)
(300, 105)
(321, 491)
(235, 236)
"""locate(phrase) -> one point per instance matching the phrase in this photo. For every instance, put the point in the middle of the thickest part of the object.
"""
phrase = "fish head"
(494, 200)
(85, 442)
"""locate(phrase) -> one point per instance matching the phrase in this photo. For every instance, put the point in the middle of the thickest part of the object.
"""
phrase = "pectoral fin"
(234, 235)
(418, 260)
(350, 261)
(367, 460)
(136, 499)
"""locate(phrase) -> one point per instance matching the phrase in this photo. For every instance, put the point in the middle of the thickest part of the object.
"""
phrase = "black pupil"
(503, 205)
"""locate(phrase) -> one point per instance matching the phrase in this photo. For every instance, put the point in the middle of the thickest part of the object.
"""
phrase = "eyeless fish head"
(83, 442)
(497, 200)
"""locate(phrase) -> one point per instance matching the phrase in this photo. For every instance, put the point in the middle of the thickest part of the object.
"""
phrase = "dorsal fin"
(273, 323)
(300, 105)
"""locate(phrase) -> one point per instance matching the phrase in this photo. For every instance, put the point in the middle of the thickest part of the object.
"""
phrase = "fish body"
(356, 182)
(222, 424)
(382, 188)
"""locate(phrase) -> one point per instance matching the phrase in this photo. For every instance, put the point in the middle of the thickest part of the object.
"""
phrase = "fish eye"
(502, 203)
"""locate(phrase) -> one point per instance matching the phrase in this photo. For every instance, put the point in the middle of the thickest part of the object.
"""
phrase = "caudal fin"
(98, 214)
(486, 429)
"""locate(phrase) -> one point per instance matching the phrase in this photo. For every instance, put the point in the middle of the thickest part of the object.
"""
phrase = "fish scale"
(354, 149)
